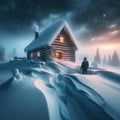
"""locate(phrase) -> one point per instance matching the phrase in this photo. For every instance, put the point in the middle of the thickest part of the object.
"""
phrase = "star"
(104, 15)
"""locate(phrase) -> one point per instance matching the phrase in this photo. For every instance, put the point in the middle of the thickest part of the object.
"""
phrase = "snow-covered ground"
(57, 90)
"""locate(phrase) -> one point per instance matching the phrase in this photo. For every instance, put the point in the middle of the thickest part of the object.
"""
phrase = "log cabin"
(56, 41)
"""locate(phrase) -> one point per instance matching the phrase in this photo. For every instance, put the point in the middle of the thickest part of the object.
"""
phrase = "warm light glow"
(38, 54)
(59, 55)
(108, 47)
(61, 39)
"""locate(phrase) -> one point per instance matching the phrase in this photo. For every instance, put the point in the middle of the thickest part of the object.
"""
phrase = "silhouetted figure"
(84, 65)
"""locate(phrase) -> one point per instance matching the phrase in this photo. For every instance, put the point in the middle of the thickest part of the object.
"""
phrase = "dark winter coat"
(85, 65)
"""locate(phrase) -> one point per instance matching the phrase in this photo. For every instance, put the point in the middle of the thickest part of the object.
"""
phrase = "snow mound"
(49, 92)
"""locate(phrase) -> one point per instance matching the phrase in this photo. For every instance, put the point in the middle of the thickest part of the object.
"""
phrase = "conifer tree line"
(4, 57)
(112, 59)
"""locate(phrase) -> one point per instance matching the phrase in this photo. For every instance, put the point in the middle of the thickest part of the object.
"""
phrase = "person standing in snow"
(84, 65)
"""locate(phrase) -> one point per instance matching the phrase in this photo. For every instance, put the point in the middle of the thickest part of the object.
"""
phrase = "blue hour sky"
(94, 22)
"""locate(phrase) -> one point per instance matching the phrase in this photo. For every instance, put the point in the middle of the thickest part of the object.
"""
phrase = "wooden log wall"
(67, 47)
(44, 53)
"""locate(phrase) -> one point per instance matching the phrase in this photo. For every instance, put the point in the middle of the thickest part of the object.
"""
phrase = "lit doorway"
(59, 55)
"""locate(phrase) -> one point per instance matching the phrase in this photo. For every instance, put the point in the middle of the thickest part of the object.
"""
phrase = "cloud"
(111, 37)
(88, 18)
(113, 26)
(22, 13)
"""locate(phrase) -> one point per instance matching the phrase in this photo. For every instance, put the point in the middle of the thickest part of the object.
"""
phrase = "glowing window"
(59, 55)
(38, 54)
(61, 39)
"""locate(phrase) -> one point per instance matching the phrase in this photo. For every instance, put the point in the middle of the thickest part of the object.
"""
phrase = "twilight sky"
(95, 23)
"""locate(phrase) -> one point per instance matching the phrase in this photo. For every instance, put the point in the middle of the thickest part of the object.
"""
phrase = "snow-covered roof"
(47, 36)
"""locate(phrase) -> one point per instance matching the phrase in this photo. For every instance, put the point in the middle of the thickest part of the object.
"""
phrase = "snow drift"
(51, 91)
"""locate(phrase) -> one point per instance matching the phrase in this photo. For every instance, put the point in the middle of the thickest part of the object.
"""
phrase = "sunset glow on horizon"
(108, 47)
(105, 49)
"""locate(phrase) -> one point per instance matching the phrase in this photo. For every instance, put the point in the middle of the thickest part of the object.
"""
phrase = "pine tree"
(2, 53)
(97, 57)
(115, 59)
(109, 59)
(104, 59)
(14, 52)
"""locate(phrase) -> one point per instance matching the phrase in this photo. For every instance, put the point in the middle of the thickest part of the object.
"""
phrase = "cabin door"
(59, 55)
